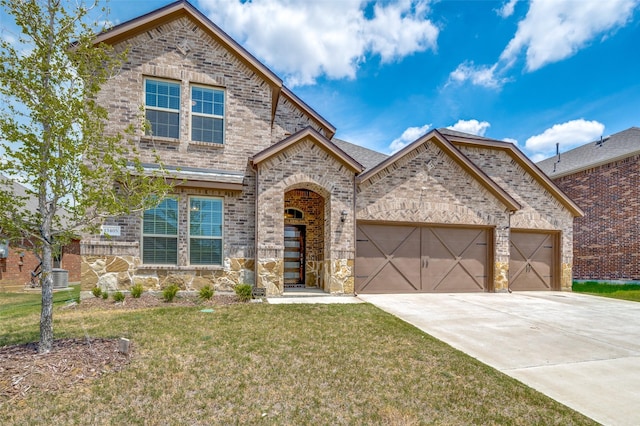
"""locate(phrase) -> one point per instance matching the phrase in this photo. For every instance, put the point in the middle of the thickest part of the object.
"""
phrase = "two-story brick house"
(603, 178)
(268, 196)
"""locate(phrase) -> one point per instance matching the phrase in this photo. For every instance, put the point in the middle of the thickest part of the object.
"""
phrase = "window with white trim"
(162, 107)
(160, 233)
(207, 114)
(205, 231)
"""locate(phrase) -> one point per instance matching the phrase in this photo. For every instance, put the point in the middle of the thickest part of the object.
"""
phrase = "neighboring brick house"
(603, 178)
(16, 268)
(268, 196)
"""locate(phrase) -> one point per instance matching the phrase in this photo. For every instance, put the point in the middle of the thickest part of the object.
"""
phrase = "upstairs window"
(162, 108)
(160, 233)
(207, 115)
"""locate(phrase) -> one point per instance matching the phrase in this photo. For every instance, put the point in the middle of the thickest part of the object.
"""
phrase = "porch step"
(304, 292)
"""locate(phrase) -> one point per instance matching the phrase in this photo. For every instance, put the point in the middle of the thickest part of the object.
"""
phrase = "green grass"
(16, 309)
(615, 291)
(275, 365)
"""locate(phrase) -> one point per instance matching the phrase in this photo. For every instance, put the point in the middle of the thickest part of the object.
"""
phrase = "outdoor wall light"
(343, 215)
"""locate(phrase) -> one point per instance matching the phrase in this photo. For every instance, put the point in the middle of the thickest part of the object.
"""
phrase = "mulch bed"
(72, 361)
(148, 300)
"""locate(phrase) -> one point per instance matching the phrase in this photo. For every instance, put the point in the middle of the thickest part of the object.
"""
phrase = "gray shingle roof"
(450, 132)
(365, 156)
(617, 146)
(20, 191)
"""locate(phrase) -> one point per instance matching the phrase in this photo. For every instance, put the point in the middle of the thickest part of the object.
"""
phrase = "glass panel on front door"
(293, 256)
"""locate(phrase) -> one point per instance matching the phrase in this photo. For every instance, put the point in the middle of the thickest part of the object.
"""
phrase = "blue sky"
(532, 72)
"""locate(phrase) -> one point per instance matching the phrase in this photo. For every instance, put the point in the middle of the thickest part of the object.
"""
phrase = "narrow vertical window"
(160, 233)
(205, 231)
(207, 115)
(162, 108)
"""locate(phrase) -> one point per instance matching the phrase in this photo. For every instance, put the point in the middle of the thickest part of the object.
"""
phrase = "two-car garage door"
(424, 259)
(406, 259)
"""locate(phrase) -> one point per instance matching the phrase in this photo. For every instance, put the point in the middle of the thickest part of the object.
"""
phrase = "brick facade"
(15, 270)
(306, 166)
(281, 150)
(606, 240)
(540, 210)
(427, 186)
(159, 54)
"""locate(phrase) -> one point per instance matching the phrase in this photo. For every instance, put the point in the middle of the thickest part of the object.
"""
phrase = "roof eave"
(510, 203)
(528, 165)
(325, 143)
(328, 128)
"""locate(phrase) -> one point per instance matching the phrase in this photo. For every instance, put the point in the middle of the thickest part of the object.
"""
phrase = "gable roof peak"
(182, 8)
(318, 138)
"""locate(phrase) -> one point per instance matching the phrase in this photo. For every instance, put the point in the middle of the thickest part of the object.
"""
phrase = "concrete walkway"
(580, 350)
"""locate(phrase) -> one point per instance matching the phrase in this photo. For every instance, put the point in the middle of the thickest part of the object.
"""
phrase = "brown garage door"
(407, 259)
(532, 264)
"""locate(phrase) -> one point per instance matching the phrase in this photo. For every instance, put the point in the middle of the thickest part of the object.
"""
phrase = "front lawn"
(615, 291)
(272, 364)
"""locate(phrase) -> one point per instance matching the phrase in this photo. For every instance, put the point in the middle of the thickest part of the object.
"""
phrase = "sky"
(534, 73)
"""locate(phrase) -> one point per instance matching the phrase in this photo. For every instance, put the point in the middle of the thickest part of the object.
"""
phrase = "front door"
(294, 256)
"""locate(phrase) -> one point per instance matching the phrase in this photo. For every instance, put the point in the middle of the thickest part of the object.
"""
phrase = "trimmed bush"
(243, 291)
(206, 292)
(118, 296)
(136, 291)
(169, 293)
(105, 295)
(97, 291)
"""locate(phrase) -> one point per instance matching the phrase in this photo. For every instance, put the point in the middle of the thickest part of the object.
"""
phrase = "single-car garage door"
(407, 259)
(533, 264)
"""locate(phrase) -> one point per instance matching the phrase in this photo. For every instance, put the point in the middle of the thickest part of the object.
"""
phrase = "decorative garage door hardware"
(533, 261)
(401, 259)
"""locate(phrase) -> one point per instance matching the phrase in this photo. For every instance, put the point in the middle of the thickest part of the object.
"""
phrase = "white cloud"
(569, 134)
(507, 9)
(556, 29)
(473, 127)
(511, 140)
(551, 31)
(481, 75)
(304, 40)
(538, 157)
(408, 136)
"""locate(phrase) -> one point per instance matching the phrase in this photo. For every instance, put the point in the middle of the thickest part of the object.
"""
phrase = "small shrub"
(136, 291)
(169, 293)
(243, 291)
(97, 291)
(206, 292)
(118, 296)
(105, 295)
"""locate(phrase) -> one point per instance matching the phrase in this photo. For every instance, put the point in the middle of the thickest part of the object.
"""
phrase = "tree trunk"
(46, 313)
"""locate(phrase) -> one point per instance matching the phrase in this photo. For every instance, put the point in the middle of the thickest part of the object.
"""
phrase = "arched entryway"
(304, 229)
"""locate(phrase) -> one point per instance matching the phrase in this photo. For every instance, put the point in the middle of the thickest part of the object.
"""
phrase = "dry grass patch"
(282, 364)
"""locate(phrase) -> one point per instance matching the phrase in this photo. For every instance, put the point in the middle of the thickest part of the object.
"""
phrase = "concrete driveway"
(580, 350)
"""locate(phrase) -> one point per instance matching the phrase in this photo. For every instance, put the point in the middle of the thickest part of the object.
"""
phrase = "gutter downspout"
(255, 230)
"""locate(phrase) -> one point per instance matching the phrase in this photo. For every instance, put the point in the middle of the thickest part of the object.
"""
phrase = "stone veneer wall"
(308, 166)
(427, 186)
(180, 51)
(540, 209)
